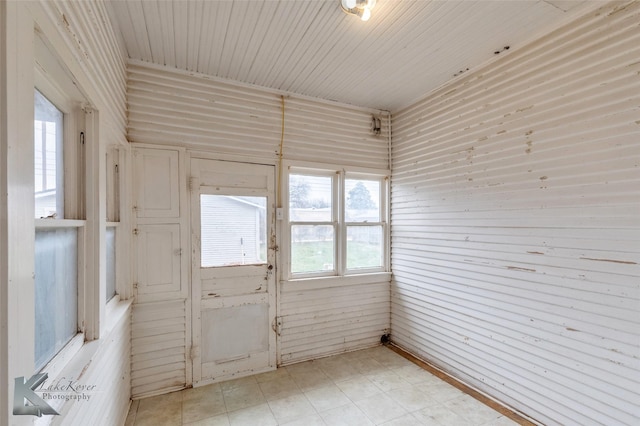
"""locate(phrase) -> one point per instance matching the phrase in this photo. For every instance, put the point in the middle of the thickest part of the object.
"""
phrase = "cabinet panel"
(157, 186)
(159, 262)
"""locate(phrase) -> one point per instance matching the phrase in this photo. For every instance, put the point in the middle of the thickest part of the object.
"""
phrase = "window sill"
(59, 223)
(338, 281)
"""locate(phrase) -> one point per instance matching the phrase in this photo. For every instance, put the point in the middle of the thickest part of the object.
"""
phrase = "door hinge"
(135, 231)
(135, 285)
(277, 325)
(190, 184)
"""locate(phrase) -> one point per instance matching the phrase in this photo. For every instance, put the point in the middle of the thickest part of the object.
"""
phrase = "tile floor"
(369, 387)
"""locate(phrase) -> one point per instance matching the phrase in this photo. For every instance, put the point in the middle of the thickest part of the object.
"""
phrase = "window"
(337, 223)
(48, 164)
(59, 234)
(364, 226)
(56, 240)
(56, 291)
(110, 242)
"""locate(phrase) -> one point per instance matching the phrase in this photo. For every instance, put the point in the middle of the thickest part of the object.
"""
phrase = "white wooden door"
(233, 276)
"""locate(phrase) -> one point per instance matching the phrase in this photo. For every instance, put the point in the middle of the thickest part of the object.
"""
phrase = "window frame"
(339, 176)
(80, 121)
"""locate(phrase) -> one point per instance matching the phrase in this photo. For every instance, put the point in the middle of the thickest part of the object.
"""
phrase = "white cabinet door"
(233, 276)
(159, 262)
(157, 183)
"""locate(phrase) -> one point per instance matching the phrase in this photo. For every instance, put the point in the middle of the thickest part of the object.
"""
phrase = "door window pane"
(310, 198)
(312, 248)
(56, 291)
(48, 166)
(233, 230)
(364, 247)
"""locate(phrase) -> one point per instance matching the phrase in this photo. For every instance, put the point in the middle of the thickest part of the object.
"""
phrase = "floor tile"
(304, 366)
(440, 415)
(201, 404)
(242, 396)
(271, 375)
(230, 384)
(472, 410)
(291, 408)
(220, 420)
(314, 420)
(327, 397)
(259, 415)
(411, 398)
(339, 370)
(387, 380)
(367, 365)
(163, 409)
(367, 387)
(347, 415)
(406, 420)
(279, 388)
(380, 408)
(312, 379)
(358, 388)
(413, 374)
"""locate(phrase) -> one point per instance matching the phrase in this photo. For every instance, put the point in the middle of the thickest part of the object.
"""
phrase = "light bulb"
(349, 4)
(366, 14)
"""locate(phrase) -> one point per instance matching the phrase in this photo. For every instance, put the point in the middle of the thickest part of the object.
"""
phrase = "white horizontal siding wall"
(109, 403)
(189, 110)
(321, 318)
(85, 29)
(175, 108)
(516, 224)
(158, 353)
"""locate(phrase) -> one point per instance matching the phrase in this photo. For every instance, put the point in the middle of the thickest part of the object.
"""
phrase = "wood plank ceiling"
(311, 48)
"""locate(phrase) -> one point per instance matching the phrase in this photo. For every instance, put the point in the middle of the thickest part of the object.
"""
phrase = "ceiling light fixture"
(360, 8)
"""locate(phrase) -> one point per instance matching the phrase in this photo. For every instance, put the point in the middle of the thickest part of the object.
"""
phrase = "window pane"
(56, 291)
(111, 262)
(312, 248)
(47, 130)
(310, 198)
(233, 230)
(362, 200)
(364, 247)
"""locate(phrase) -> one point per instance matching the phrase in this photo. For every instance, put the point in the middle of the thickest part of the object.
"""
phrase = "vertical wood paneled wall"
(516, 224)
(225, 120)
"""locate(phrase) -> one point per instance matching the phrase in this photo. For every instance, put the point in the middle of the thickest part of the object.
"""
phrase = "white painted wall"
(516, 218)
(221, 120)
(85, 44)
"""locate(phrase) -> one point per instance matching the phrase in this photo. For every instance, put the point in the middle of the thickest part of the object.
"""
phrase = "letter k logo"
(25, 390)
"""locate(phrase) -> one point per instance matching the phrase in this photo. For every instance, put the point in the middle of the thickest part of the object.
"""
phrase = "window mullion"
(341, 233)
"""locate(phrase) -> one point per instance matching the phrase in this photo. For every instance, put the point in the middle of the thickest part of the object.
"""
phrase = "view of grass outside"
(317, 256)
(311, 256)
(364, 247)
